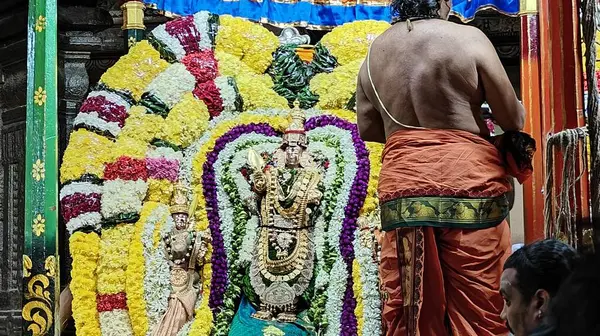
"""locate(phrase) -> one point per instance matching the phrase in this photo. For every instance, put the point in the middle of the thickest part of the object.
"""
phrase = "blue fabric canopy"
(319, 13)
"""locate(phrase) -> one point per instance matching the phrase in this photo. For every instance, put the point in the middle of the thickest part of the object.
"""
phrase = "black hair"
(403, 10)
(576, 307)
(545, 264)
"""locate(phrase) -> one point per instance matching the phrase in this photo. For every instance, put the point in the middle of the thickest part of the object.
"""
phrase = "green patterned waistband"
(445, 212)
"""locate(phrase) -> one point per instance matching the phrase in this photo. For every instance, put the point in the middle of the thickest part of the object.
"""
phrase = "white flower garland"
(85, 220)
(224, 203)
(115, 323)
(93, 119)
(165, 152)
(369, 278)
(249, 197)
(157, 282)
(160, 33)
(350, 169)
(85, 188)
(185, 330)
(315, 146)
(228, 94)
(201, 23)
(121, 197)
(111, 97)
(170, 85)
(335, 297)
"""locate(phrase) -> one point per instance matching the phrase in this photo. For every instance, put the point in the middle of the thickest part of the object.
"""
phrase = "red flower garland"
(211, 96)
(107, 110)
(185, 31)
(202, 65)
(78, 203)
(126, 168)
(110, 302)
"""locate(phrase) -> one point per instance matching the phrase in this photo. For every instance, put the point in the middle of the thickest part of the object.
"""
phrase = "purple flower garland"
(356, 199)
(219, 258)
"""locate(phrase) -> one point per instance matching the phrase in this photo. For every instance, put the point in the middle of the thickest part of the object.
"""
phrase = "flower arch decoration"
(186, 105)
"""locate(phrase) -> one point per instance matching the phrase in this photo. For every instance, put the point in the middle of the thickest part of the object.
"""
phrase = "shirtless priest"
(444, 182)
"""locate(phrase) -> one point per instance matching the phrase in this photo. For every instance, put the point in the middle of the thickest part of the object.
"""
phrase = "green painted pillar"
(133, 22)
(40, 253)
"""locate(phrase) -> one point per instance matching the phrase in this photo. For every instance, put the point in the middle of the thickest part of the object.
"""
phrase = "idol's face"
(181, 221)
(292, 155)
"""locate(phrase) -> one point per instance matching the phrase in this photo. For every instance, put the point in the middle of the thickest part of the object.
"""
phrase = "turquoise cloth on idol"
(244, 324)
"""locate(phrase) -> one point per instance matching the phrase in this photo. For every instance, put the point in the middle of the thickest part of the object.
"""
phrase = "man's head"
(532, 276)
(576, 307)
(412, 9)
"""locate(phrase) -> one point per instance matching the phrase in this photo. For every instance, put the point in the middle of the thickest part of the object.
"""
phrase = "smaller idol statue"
(186, 251)
(289, 192)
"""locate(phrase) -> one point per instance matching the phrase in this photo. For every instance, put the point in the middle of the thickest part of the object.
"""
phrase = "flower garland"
(211, 96)
(352, 208)
(130, 147)
(257, 92)
(230, 97)
(219, 259)
(184, 35)
(112, 266)
(134, 71)
(141, 125)
(122, 197)
(250, 42)
(369, 280)
(351, 41)
(136, 270)
(234, 218)
(358, 290)
(170, 85)
(186, 121)
(335, 89)
(202, 65)
(80, 206)
(232, 66)
(156, 282)
(84, 248)
(372, 201)
(86, 154)
(103, 111)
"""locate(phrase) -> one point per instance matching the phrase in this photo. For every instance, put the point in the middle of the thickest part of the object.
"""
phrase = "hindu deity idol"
(186, 250)
(289, 193)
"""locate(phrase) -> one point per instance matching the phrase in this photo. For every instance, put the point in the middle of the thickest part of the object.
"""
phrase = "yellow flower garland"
(372, 201)
(203, 319)
(351, 41)
(159, 190)
(257, 92)
(134, 71)
(86, 154)
(156, 237)
(248, 41)
(130, 147)
(186, 122)
(85, 248)
(278, 123)
(358, 294)
(335, 89)
(136, 270)
(232, 66)
(141, 125)
(114, 251)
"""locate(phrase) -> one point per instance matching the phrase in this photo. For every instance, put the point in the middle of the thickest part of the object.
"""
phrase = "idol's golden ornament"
(282, 264)
(186, 251)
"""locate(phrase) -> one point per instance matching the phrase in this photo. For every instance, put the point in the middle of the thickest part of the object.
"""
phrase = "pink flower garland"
(161, 168)
(202, 65)
(184, 30)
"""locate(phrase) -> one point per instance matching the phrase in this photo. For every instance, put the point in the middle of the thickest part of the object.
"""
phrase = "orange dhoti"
(443, 210)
